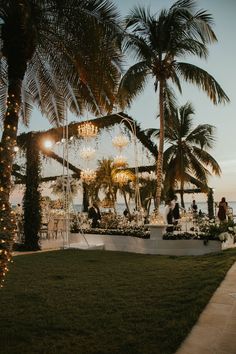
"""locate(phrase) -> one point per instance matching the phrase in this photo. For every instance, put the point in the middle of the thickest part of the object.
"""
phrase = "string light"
(16, 148)
(7, 222)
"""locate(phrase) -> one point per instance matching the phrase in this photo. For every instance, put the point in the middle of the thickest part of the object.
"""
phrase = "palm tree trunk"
(126, 203)
(182, 194)
(32, 197)
(161, 146)
(7, 145)
(85, 203)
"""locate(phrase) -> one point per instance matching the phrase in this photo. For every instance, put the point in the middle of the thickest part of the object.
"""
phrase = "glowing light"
(48, 144)
(16, 148)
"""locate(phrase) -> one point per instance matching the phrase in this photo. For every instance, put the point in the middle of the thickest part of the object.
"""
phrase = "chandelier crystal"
(121, 178)
(87, 130)
(120, 141)
(120, 161)
(87, 153)
(148, 176)
(88, 175)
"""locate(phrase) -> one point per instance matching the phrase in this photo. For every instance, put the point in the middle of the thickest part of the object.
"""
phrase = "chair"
(43, 232)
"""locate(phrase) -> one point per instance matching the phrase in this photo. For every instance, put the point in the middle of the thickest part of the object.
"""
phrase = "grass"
(105, 302)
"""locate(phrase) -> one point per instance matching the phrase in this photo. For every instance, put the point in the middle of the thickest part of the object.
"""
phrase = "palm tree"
(159, 42)
(110, 180)
(104, 182)
(53, 54)
(186, 159)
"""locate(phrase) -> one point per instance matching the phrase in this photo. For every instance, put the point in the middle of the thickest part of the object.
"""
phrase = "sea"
(120, 207)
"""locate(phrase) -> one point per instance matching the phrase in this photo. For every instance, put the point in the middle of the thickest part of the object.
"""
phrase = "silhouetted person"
(222, 212)
(94, 214)
(194, 207)
(175, 209)
(126, 213)
(168, 216)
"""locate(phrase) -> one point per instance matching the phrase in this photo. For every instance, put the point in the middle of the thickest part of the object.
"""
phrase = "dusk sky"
(220, 64)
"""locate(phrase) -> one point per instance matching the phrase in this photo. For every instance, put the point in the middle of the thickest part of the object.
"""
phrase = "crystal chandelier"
(87, 153)
(120, 141)
(120, 161)
(88, 175)
(121, 178)
(87, 130)
(148, 176)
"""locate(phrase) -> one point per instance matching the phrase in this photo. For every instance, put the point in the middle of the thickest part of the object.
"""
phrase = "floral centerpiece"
(207, 230)
(221, 231)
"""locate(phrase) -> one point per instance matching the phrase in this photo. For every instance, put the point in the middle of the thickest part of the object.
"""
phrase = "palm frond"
(131, 84)
(202, 135)
(207, 160)
(193, 74)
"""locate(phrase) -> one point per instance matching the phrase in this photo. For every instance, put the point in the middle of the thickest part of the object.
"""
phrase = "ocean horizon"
(120, 207)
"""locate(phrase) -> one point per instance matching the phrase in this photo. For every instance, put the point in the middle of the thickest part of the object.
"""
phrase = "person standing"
(175, 209)
(95, 215)
(194, 207)
(168, 216)
(223, 208)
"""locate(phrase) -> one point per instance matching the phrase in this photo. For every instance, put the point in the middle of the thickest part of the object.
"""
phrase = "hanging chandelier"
(148, 176)
(121, 178)
(87, 130)
(120, 141)
(120, 161)
(87, 153)
(88, 175)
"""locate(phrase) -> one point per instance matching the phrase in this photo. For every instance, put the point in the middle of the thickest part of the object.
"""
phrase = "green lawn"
(84, 302)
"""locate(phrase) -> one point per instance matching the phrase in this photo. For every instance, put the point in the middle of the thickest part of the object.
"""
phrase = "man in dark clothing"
(175, 210)
(94, 214)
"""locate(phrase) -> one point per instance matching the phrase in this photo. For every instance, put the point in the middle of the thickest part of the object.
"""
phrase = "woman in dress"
(222, 212)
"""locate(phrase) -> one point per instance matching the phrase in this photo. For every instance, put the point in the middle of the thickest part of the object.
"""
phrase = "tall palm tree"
(186, 159)
(159, 42)
(53, 53)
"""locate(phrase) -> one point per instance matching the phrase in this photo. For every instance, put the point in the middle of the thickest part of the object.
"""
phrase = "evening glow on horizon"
(220, 64)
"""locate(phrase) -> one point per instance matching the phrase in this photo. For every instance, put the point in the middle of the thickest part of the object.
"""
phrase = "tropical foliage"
(55, 55)
(159, 42)
(186, 158)
(109, 181)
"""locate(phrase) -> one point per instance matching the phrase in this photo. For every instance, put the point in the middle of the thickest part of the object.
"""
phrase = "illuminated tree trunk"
(17, 37)
(8, 142)
(161, 146)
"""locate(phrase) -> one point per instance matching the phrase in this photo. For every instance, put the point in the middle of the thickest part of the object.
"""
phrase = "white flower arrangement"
(223, 237)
